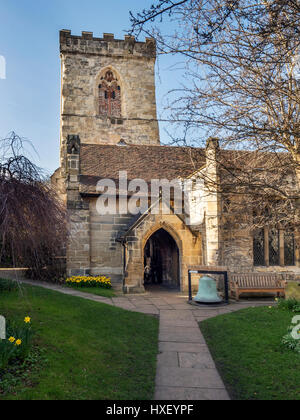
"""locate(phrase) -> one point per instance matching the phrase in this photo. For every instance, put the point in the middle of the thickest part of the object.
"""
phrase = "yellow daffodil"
(27, 320)
(18, 342)
(12, 339)
(100, 281)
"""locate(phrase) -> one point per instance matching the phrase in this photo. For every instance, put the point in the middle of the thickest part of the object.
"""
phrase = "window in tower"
(109, 95)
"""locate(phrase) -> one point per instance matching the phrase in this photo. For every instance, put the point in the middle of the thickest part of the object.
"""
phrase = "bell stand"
(207, 271)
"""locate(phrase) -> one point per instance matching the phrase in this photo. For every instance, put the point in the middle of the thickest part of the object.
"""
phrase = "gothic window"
(259, 248)
(109, 95)
(289, 248)
(273, 247)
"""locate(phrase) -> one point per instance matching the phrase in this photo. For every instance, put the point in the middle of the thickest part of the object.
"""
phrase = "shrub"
(290, 342)
(33, 220)
(17, 345)
(8, 285)
(292, 305)
(88, 281)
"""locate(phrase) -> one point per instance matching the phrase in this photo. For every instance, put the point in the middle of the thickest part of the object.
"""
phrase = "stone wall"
(106, 253)
(83, 58)
(236, 247)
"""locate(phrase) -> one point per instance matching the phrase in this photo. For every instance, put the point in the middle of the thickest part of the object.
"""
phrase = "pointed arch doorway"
(161, 261)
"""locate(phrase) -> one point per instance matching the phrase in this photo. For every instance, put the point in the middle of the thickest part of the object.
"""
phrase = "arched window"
(273, 247)
(109, 95)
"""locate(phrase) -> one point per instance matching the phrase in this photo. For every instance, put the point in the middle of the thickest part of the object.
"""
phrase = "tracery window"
(109, 95)
(274, 247)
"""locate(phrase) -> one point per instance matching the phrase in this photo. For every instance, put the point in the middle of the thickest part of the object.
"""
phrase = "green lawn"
(246, 348)
(93, 351)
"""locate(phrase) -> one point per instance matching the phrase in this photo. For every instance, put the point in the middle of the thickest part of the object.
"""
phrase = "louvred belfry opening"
(109, 95)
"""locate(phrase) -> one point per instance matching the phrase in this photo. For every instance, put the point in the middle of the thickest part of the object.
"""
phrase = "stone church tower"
(108, 90)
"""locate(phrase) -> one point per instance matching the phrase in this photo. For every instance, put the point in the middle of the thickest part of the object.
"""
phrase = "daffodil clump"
(17, 344)
(89, 281)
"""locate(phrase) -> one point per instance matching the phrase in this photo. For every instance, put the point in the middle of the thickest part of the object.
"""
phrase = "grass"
(93, 350)
(8, 285)
(293, 290)
(246, 348)
(99, 291)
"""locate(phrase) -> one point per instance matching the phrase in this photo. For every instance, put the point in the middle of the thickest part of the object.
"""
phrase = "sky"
(29, 45)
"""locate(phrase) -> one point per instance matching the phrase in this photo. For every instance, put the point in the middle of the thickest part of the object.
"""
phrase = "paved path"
(185, 368)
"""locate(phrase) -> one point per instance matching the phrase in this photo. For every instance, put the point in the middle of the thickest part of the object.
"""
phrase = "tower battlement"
(108, 90)
(88, 44)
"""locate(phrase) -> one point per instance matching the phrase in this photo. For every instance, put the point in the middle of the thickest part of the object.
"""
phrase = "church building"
(109, 127)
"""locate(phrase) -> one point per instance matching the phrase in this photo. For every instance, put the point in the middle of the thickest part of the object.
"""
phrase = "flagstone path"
(185, 368)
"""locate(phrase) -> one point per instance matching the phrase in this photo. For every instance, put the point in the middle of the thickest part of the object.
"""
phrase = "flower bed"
(18, 344)
(89, 281)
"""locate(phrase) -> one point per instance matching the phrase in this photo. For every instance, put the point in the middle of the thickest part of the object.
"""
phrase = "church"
(109, 127)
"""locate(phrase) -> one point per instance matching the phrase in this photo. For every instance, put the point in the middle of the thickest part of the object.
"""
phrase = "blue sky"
(30, 94)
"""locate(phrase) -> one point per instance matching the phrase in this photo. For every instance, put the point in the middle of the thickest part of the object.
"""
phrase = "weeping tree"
(242, 80)
(33, 226)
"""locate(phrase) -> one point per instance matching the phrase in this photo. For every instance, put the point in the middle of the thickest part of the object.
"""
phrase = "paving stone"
(174, 302)
(196, 360)
(120, 300)
(178, 315)
(147, 309)
(207, 313)
(182, 307)
(157, 301)
(167, 358)
(139, 302)
(183, 335)
(163, 308)
(177, 323)
(181, 347)
(164, 393)
(183, 377)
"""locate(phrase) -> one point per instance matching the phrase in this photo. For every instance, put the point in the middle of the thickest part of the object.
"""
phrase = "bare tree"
(33, 226)
(242, 86)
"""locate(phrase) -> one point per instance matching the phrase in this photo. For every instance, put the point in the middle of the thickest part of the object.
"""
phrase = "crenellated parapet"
(88, 44)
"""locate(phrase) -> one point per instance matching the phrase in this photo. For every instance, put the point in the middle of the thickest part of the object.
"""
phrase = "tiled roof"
(165, 162)
(145, 162)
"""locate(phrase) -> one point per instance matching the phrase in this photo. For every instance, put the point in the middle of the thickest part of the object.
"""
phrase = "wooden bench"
(256, 283)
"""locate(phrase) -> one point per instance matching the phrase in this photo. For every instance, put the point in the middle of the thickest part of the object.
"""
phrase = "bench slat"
(257, 282)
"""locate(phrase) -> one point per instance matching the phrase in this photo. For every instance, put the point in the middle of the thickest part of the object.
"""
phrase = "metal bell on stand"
(208, 292)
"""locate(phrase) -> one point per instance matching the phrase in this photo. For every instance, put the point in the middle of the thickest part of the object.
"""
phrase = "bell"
(207, 292)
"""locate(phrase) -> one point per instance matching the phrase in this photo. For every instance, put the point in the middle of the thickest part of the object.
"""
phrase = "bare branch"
(33, 225)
